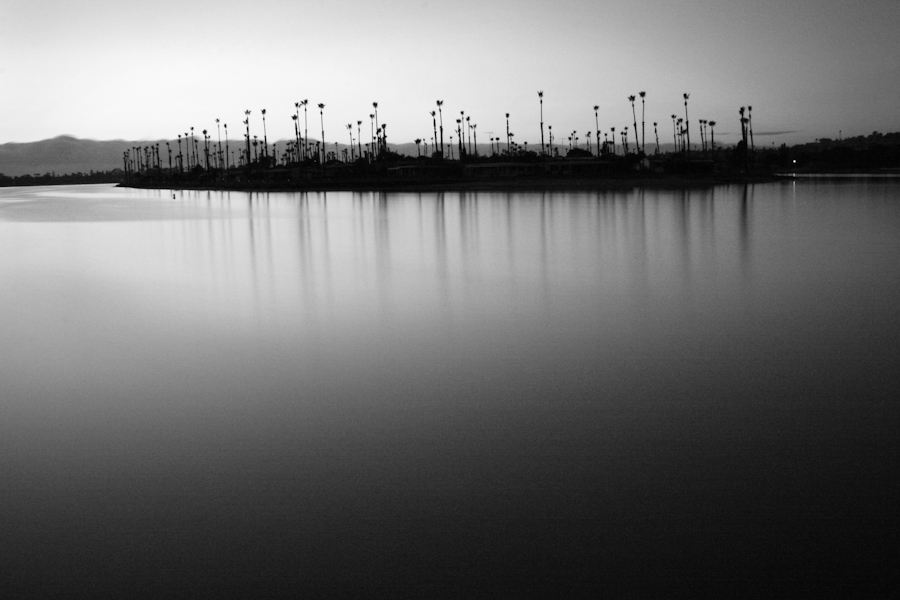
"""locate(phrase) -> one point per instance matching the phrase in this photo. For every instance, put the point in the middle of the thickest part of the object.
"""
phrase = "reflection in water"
(480, 391)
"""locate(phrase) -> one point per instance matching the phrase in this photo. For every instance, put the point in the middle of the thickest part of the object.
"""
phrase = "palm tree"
(305, 137)
(541, 97)
(220, 137)
(180, 159)
(469, 128)
(359, 138)
(597, 125)
(296, 119)
(440, 103)
(322, 121)
(475, 133)
(712, 131)
(643, 95)
(625, 137)
(750, 126)
(350, 130)
(550, 135)
(507, 133)
(226, 146)
(434, 124)
(687, 126)
(247, 123)
(655, 132)
(632, 99)
(375, 107)
(372, 134)
(674, 133)
(206, 148)
(417, 141)
(613, 130)
(265, 139)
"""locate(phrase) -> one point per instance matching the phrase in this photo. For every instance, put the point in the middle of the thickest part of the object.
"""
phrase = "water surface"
(637, 392)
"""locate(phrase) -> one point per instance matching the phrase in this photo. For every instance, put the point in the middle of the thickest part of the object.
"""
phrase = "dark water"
(619, 394)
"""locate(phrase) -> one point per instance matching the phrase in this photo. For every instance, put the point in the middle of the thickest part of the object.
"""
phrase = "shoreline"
(512, 184)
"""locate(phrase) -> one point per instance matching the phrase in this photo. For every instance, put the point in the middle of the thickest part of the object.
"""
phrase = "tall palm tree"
(226, 146)
(372, 133)
(247, 123)
(296, 118)
(417, 141)
(625, 137)
(674, 133)
(475, 133)
(265, 139)
(180, 160)
(613, 130)
(541, 98)
(687, 126)
(655, 132)
(597, 125)
(434, 124)
(322, 121)
(712, 131)
(305, 136)
(550, 135)
(350, 131)
(469, 128)
(632, 99)
(643, 95)
(507, 134)
(220, 138)
(440, 103)
(359, 138)
(206, 148)
(375, 107)
(750, 126)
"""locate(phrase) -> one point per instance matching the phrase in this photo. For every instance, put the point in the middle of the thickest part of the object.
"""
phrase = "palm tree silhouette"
(613, 136)
(265, 139)
(220, 140)
(247, 123)
(440, 103)
(434, 124)
(475, 133)
(350, 130)
(632, 99)
(469, 128)
(597, 125)
(417, 141)
(643, 95)
(687, 126)
(656, 133)
(375, 107)
(322, 121)
(508, 135)
(541, 97)
(750, 126)
(305, 136)
(674, 133)
(712, 131)
(359, 138)
(180, 159)
(226, 146)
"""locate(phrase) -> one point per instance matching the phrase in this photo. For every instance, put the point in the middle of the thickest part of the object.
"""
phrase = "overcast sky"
(113, 69)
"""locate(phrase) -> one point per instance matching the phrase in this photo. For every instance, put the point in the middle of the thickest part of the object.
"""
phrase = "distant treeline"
(864, 153)
(112, 176)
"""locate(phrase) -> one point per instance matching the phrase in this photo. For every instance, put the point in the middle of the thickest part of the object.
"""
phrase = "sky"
(107, 69)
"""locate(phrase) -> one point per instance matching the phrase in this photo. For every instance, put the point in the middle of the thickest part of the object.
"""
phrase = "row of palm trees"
(191, 155)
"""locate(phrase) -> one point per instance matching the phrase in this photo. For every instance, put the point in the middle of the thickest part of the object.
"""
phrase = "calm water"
(642, 393)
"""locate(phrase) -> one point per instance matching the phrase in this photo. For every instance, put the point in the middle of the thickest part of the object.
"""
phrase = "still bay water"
(642, 393)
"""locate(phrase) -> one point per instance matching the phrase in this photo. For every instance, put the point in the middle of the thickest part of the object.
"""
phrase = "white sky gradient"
(106, 69)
